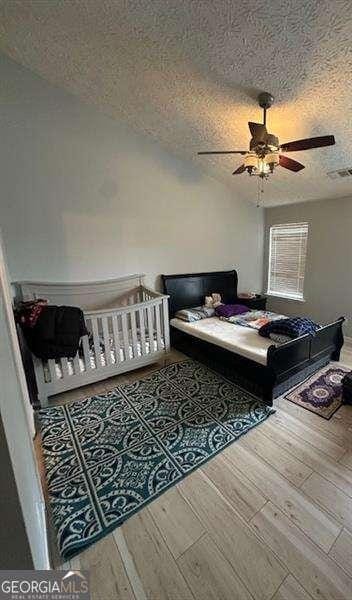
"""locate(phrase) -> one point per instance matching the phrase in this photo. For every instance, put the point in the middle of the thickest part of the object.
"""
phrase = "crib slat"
(96, 343)
(158, 325)
(150, 330)
(86, 353)
(76, 366)
(115, 331)
(107, 348)
(38, 365)
(142, 331)
(126, 341)
(52, 369)
(134, 334)
(166, 324)
(64, 368)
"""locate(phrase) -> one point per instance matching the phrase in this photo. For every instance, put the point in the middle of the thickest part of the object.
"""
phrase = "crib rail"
(126, 333)
(89, 295)
(134, 297)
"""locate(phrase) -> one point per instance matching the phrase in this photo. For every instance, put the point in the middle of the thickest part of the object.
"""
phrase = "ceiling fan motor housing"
(265, 100)
(265, 144)
(272, 141)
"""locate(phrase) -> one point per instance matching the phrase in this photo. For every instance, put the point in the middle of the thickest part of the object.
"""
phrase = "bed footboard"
(329, 339)
(289, 357)
(303, 356)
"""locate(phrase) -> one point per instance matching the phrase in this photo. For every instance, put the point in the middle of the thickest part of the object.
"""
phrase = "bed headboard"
(189, 289)
(88, 295)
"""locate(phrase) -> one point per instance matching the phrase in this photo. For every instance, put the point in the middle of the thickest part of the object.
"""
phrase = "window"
(287, 260)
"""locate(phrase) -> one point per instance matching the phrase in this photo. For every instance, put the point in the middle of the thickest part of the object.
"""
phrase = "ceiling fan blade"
(224, 152)
(289, 163)
(307, 144)
(258, 130)
(239, 170)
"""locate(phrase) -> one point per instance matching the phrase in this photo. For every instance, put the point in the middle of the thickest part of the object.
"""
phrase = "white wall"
(328, 278)
(83, 197)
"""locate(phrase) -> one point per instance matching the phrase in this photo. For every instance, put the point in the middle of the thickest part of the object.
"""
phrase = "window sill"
(285, 297)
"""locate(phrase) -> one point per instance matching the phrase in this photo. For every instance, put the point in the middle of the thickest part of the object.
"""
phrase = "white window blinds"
(287, 260)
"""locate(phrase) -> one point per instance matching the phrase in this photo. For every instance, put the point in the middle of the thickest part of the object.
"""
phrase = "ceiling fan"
(264, 148)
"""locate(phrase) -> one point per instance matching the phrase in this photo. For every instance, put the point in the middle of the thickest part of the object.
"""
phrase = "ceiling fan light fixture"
(263, 167)
(251, 161)
(272, 159)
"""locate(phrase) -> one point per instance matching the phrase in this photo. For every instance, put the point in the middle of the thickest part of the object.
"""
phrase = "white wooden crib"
(128, 325)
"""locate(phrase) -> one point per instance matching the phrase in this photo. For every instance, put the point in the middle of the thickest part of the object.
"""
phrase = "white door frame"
(17, 417)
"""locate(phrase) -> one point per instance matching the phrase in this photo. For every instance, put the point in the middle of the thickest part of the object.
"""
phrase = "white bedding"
(242, 340)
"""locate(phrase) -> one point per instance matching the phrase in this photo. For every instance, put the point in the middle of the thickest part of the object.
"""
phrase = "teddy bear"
(212, 301)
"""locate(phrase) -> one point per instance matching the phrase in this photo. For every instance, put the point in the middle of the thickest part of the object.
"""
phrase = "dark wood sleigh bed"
(287, 364)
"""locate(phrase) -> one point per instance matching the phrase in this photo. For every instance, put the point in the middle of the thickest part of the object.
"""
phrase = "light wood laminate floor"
(270, 517)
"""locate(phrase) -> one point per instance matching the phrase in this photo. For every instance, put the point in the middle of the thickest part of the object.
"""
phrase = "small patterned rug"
(322, 392)
(109, 455)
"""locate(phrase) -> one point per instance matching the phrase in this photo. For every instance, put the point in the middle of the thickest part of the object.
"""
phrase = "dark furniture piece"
(287, 364)
(257, 303)
(28, 367)
(347, 388)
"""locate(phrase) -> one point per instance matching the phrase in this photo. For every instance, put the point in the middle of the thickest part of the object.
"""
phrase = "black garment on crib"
(57, 332)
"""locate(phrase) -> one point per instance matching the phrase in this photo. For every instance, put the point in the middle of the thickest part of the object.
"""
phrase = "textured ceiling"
(188, 72)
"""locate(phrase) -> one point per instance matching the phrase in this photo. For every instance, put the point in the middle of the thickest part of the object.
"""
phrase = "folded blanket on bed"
(253, 318)
(292, 327)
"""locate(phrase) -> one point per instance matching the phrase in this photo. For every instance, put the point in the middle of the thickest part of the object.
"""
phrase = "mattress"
(240, 340)
(82, 364)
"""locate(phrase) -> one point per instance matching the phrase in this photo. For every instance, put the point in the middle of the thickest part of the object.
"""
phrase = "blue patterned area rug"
(108, 456)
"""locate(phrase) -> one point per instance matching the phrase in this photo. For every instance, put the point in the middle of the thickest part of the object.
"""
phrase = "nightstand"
(258, 303)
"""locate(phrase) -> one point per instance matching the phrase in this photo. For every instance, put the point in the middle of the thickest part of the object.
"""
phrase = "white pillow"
(194, 314)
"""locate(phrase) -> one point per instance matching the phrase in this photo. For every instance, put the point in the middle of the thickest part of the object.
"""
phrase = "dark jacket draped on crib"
(57, 332)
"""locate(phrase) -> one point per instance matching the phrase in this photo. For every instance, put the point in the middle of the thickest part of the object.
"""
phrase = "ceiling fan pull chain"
(260, 192)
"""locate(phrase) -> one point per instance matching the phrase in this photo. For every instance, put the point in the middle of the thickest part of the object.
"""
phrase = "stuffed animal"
(212, 301)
